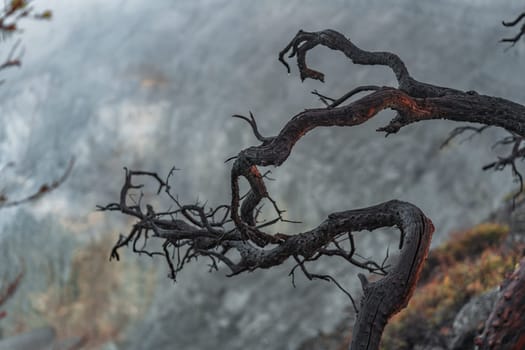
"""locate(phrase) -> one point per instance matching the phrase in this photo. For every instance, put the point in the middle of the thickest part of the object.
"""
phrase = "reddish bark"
(214, 233)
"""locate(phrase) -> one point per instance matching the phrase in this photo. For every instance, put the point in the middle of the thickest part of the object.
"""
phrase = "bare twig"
(239, 243)
(513, 40)
(43, 190)
(460, 130)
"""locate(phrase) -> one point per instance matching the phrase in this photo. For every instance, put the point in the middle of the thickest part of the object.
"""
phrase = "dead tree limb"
(513, 40)
(192, 231)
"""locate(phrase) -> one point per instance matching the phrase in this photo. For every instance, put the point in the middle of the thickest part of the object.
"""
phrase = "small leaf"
(47, 14)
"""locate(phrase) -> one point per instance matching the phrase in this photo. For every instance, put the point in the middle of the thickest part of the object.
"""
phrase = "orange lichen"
(469, 264)
(466, 244)
(401, 101)
(254, 171)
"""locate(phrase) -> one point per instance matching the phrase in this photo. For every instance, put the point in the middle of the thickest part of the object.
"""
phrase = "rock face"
(168, 100)
(446, 313)
(471, 319)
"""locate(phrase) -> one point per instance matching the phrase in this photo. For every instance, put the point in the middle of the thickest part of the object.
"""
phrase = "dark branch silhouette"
(513, 40)
(231, 234)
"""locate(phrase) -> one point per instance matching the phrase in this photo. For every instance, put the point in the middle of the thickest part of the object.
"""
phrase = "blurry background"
(149, 85)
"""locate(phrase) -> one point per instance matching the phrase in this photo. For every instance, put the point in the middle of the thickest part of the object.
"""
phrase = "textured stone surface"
(470, 320)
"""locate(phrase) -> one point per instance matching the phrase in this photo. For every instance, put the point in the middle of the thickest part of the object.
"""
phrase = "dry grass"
(469, 264)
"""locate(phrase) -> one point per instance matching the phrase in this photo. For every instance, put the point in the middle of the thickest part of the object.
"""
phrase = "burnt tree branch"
(513, 40)
(231, 234)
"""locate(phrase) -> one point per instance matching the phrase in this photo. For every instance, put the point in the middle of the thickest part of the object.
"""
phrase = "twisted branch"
(230, 235)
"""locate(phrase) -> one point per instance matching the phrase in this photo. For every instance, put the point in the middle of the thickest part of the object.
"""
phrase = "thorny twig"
(513, 40)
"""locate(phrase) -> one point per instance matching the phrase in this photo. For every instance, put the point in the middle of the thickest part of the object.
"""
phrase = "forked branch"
(513, 40)
(192, 231)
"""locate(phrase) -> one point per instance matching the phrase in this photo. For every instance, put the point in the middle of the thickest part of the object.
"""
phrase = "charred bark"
(191, 231)
(513, 40)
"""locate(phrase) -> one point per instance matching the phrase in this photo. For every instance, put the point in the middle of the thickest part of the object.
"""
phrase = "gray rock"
(469, 320)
